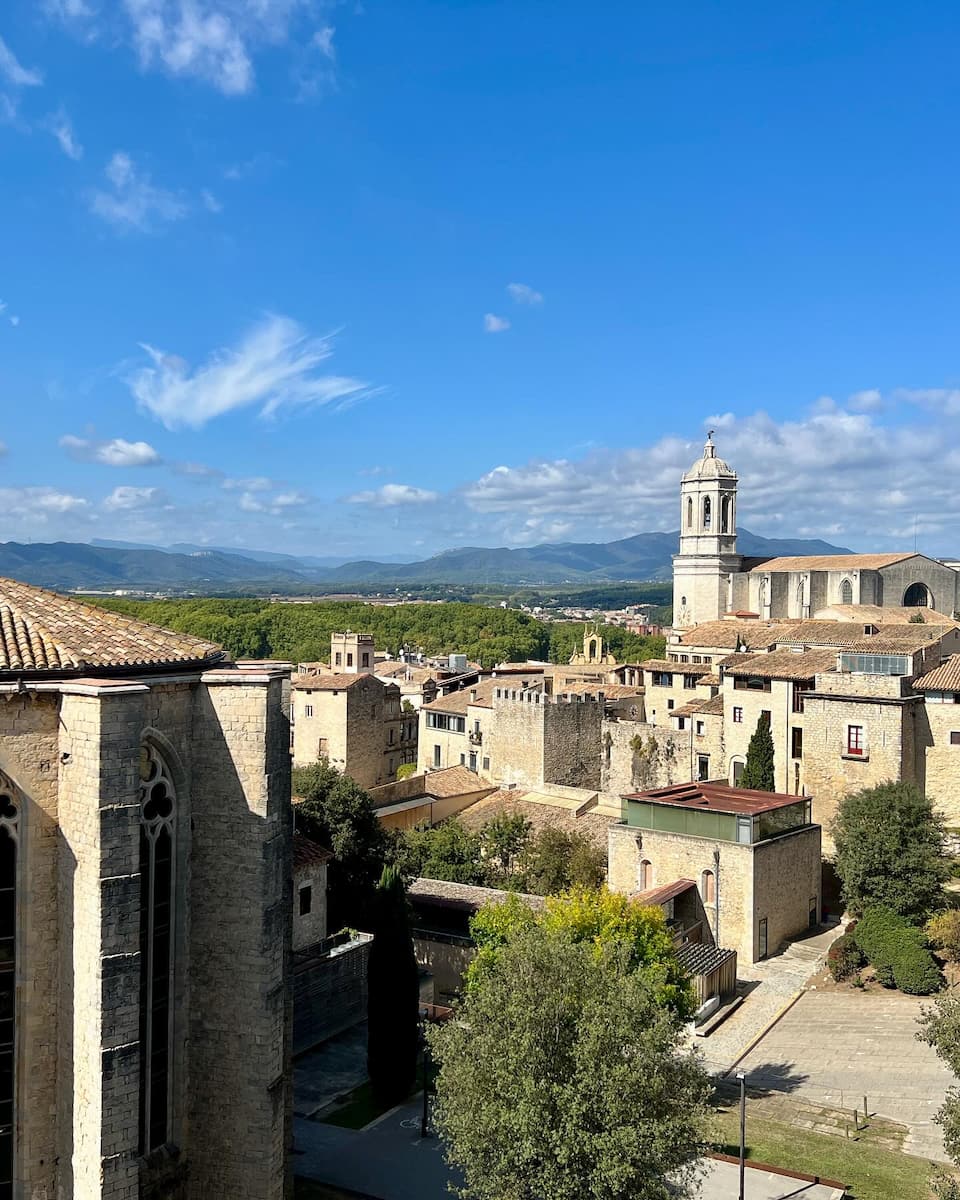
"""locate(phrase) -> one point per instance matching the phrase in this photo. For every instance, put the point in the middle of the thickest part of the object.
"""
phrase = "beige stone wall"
(312, 926)
(532, 739)
(660, 702)
(941, 759)
(789, 773)
(452, 747)
(636, 756)
(830, 774)
(787, 884)
(352, 727)
(327, 720)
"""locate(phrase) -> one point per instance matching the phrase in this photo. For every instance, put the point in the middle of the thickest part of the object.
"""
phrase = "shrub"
(845, 957)
(944, 932)
(898, 952)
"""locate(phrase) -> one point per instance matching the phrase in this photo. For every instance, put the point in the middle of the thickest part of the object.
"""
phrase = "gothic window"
(846, 592)
(158, 822)
(9, 832)
(689, 512)
(645, 875)
(706, 512)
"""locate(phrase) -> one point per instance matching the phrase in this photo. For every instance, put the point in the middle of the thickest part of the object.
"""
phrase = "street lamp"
(741, 1075)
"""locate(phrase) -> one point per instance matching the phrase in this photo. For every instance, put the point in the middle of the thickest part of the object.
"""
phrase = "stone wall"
(311, 927)
(935, 724)
(534, 739)
(636, 756)
(787, 878)
(737, 734)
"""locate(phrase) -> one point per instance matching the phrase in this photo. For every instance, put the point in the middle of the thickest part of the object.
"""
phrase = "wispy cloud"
(275, 367)
(210, 202)
(11, 317)
(392, 495)
(16, 75)
(524, 294)
(60, 125)
(274, 506)
(117, 452)
(494, 324)
(126, 499)
(132, 201)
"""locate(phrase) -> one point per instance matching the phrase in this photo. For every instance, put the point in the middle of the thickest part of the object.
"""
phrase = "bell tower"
(708, 541)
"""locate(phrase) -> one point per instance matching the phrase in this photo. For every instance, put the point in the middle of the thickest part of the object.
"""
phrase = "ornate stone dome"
(710, 467)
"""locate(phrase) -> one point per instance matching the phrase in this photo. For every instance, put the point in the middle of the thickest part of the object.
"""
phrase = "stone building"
(755, 857)
(710, 579)
(309, 891)
(145, 834)
(355, 722)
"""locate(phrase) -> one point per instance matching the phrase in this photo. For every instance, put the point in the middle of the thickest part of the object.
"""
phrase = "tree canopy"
(758, 769)
(339, 814)
(563, 1078)
(889, 851)
(597, 919)
(301, 632)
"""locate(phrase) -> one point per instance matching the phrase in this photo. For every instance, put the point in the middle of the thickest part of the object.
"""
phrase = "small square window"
(955, 737)
(669, 705)
(738, 716)
(681, 722)
(486, 764)
(701, 726)
(308, 710)
(306, 900)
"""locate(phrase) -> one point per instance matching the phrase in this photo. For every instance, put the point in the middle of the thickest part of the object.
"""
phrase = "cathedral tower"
(708, 541)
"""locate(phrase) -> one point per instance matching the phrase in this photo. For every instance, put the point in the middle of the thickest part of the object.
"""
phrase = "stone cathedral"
(145, 836)
(711, 580)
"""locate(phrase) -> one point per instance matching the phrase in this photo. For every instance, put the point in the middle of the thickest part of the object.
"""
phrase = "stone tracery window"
(706, 512)
(846, 592)
(158, 814)
(9, 844)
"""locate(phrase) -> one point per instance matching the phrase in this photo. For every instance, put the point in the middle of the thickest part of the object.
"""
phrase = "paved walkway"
(329, 1071)
(390, 1161)
(834, 1048)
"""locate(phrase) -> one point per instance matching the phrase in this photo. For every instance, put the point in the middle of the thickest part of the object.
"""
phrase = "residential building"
(755, 857)
(352, 653)
(145, 885)
(309, 891)
(428, 798)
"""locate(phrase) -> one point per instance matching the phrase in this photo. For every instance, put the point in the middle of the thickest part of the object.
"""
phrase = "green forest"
(301, 632)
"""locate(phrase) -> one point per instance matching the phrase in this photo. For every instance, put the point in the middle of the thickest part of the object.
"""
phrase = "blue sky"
(369, 278)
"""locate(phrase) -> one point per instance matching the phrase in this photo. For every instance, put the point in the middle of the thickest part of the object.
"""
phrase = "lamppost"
(741, 1075)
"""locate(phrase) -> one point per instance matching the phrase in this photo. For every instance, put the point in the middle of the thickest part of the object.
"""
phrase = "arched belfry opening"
(917, 595)
(725, 522)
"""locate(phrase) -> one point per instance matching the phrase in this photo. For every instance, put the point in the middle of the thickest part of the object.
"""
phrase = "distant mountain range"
(185, 567)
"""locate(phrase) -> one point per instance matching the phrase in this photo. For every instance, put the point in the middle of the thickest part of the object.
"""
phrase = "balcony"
(476, 737)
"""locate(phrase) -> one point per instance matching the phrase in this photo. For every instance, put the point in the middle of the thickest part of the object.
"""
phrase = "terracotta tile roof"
(756, 635)
(452, 781)
(612, 691)
(401, 672)
(463, 896)
(459, 701)
(666, 891)
(710, 680)
(306, 852)
(328, 683)
(711, 708)
(593, 826)
(715, 797)
(849, 635)
(678, 668)
(945, 678)
(41, 631)
(785, 664)
(865, 614)
(831, 562)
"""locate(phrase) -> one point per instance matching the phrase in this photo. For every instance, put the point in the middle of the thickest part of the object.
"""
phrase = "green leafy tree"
(503, 841)
(889, 851)
(446, 851)
(564, 1078)
(340, 815)
(393, 1008)
(758, 769)
(556, 861)
(595, 918)
(940, 1028)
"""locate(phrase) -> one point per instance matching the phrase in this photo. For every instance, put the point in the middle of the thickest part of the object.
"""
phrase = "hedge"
(898, 952)
(845, 958)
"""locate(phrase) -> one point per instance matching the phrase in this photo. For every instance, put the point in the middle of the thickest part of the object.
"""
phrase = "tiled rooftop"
(42, 632)
(328, 683)
(830, 562)
(306, 851)
(785, 664)
(945, 678)
(715, 797)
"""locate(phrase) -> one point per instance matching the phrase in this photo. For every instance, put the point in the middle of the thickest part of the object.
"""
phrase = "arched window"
(846, 592)
(706, 512)
(689, 512)
(645, 875)
(708, 887)
(158, 823)
(917, 595)
(9, 836)
(736, 766)
(725, 514)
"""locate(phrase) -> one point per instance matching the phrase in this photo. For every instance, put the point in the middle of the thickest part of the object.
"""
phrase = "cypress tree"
(393, 1008)
(758, 769)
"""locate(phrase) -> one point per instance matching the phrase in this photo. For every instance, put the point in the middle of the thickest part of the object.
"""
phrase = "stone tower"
(708, 541)
(351, 653)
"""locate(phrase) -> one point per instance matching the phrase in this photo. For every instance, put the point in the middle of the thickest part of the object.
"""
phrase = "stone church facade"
(711, 580)
(145, 911)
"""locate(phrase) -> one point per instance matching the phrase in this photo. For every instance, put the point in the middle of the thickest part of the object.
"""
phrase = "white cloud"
(323, 41)
(274, 367)
(117, 452)
(273, 505)
(869, 400)
(39, 503)
(938, 400)
(125, 499)
(392, 495)
(60, 125)
(522, 293)
(133, 201)
(255, 483)
(494, 324)
(13, 72)
(210, 202)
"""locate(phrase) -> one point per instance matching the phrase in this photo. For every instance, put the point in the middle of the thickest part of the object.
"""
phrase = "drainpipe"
(716, 895)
